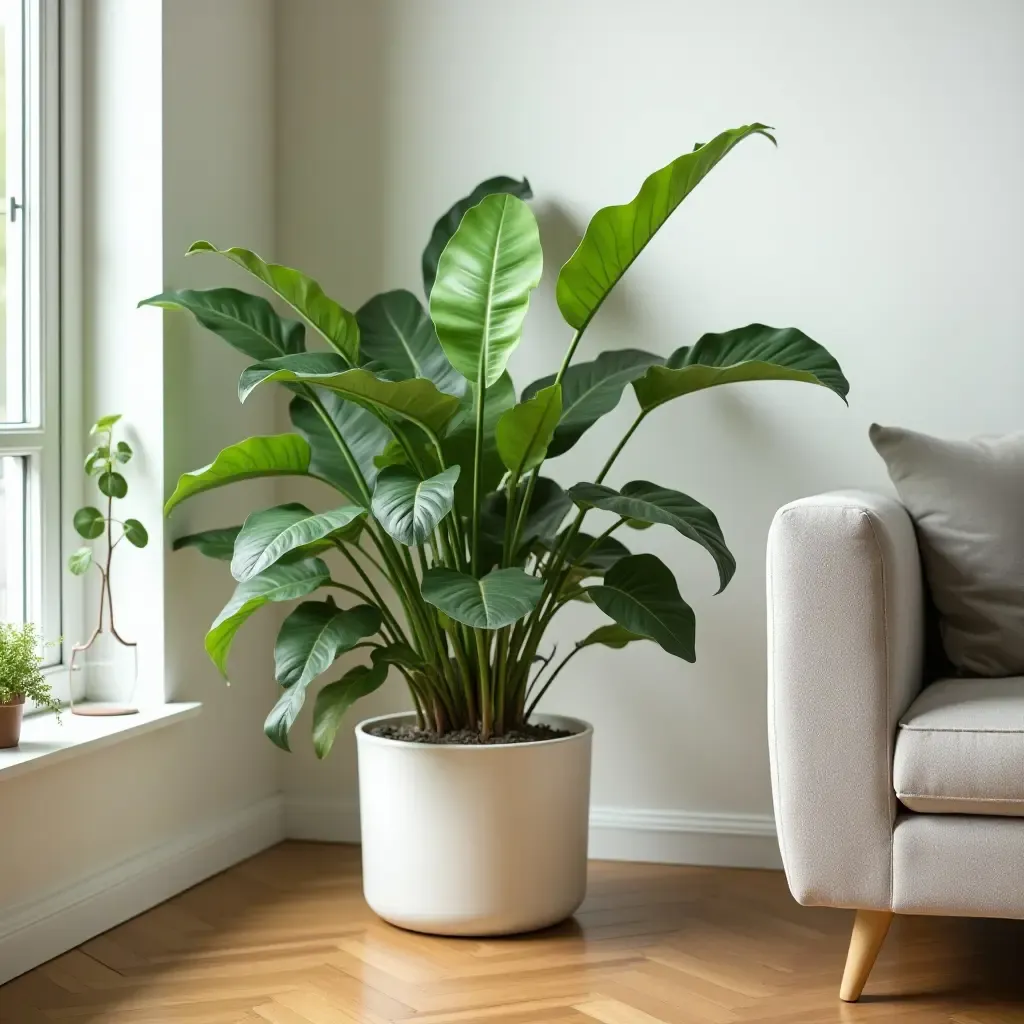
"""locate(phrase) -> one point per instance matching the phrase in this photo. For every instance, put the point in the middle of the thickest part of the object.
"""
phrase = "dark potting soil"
(466, 737)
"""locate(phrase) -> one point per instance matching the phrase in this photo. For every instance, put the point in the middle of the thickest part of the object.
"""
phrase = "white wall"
(886, 225)
(179, 145)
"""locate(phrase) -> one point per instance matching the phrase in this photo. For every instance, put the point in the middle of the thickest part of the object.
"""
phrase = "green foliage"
(218, 543)
(92, 522)
(410, 414)
(20, 658)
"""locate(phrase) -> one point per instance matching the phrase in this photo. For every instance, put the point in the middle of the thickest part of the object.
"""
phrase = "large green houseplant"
(410, 416)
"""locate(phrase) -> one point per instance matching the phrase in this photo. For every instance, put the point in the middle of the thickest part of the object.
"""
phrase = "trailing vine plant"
(409, 414)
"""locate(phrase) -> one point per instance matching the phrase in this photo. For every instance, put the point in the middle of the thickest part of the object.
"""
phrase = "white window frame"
(34, 299)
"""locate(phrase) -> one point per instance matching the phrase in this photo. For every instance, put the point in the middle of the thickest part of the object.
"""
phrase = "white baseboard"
(616, 833)
(38, 930)
(684, 837)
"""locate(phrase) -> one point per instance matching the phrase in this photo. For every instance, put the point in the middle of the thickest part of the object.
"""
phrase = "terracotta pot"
(475, 840)
(10, 721)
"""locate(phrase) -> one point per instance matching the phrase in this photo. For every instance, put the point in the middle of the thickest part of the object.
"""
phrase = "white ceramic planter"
(475, 840)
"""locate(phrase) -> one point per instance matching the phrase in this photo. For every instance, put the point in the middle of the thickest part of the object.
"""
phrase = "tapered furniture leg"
(869, 930)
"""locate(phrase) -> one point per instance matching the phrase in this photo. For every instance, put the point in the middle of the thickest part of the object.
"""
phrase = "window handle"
(14, 208)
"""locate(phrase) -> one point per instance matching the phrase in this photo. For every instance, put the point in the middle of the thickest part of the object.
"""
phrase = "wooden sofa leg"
(869, 930)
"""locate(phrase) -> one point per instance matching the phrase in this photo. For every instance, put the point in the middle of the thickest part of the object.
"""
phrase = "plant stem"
(554, 675)
(569, 354)
(483, 668)
(618, 448)
(478, 449)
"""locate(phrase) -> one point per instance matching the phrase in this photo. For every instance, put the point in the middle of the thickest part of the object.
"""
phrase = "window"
(30, 451)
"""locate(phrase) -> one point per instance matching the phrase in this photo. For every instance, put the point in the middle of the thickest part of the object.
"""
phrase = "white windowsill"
(44, 742)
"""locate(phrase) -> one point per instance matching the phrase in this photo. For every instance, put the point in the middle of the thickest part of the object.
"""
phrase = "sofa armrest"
(845, 652)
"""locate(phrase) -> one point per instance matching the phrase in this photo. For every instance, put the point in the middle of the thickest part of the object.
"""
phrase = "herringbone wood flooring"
(285, 938)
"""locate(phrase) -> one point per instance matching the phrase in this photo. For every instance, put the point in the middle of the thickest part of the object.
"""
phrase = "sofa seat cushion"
(960, 748)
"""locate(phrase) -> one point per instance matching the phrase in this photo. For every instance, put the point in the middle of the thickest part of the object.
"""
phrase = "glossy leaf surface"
(336, 324)
(135, 533)
(498, 599)
(246, 322)
(616, 235)
(484, 279)
(278, 583)
(751, 353)
(410, 508)
(641, 595)
(275, 455)
(267, 536)
(648, 503)
(315, 634)
(523, 434)
(416, 400)
(590, 390)
(89, 522)
(449, 222)
(336, 698)
(398, 336)
(218, 543)
(361, 430)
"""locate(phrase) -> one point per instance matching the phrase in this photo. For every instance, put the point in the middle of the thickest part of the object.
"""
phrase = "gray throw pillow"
(967, 501)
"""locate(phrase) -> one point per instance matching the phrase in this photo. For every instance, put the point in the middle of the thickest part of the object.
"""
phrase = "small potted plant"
(20, 679)
(473, 805)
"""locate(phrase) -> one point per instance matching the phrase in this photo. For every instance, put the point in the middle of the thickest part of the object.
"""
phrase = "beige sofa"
(891, 796)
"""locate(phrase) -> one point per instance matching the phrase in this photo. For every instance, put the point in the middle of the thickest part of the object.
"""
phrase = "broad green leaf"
(460, 439)
(748, 353)
(500, 598)
(316, 363)
(97, 459)
(360, 428)
(416, 400)
(448, 224)
(123, 451)
(397, 335)
(283, 714)
(313, 636)
(336, 698)
(645, 503)
(80, 561)
(598, 554)
(104, 423)
(410, 508)
(113, 485)
(269, 535)
(589, 390)
(276, 455)
(246, 322)
(611, 636)
(525, 431)
(89, 522)
(337, 325)
(278, 583)
(135, 533)
(548, 507)
(641, 595)
(482, 292)
(396, 654)
(219, 543)
(616, 235)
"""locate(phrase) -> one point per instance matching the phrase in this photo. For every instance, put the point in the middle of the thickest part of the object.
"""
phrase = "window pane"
(12, 361)
(13, 539)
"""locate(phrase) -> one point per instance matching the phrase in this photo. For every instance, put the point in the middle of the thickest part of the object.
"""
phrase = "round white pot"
(475, 840)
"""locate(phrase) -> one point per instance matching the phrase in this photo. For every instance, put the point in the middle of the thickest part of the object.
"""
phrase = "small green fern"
(20, 659)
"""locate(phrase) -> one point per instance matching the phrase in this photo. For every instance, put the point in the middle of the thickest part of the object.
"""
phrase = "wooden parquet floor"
(285, 938)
